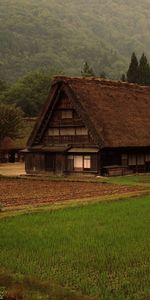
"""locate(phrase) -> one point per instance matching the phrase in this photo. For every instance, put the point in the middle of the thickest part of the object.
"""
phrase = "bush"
(14, 293)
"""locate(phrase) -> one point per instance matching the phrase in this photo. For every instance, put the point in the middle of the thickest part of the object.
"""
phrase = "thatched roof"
(116, 113)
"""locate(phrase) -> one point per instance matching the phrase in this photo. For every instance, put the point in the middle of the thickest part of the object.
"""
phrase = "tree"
(123, 77)
(87, 70)
(103, 75)
(144, 70)
(29, 92)
(3, 86)
(11, 121)
(132, 73)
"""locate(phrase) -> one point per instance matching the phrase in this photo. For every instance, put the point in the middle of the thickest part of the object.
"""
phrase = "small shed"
(10, 150)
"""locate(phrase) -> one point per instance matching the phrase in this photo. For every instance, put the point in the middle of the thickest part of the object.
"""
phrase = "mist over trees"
(71, 37)
(61, 35)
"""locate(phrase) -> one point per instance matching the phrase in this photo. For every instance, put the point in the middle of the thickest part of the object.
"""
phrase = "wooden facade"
(78, 131)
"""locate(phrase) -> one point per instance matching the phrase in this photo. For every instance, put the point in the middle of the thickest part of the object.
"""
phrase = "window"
(124, 159)
(67, 131)
(78, 162)
(66, 114)
(87, 162)
(132, 160)
(53, 132)
(147, 157)
(140, 159)
(81, 131)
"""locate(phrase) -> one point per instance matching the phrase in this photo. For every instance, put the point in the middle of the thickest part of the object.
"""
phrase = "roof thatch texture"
(119, 112)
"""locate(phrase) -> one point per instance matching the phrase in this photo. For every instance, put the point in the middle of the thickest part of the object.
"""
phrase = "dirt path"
(22, 192)
(12, 169)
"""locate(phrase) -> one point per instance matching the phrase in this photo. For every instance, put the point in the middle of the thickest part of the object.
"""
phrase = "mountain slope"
(60, 35)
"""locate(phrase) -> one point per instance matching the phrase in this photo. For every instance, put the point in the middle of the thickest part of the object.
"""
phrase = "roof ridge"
(98, 80)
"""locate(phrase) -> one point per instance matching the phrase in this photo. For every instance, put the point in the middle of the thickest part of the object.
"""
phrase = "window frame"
(83, 160)
(64, 115)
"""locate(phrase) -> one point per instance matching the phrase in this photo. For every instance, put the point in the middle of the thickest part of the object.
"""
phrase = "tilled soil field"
(22, 192)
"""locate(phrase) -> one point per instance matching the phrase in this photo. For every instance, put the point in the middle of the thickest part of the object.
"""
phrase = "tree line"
(26, 96)
(21, 99)
(28, 93)
(138, 71)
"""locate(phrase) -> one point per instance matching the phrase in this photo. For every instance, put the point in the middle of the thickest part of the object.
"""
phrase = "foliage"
(61, 35)
(87, 70)
(103, 75)
(29, 92)
(111, 261)
(144, 70)
(3, 86)
(10, 121)
(139, 72)
(132, 73)
(123, 77)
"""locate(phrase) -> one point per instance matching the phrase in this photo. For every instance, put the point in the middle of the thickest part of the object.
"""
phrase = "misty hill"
(59, 35)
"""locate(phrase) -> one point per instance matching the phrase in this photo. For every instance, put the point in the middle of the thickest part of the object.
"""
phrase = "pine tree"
(123, 77)
(132, 73)
(87, 71)
(144, 70)
(103, 75)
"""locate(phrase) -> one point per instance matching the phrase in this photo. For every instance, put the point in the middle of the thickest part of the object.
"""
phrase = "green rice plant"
(100, 249)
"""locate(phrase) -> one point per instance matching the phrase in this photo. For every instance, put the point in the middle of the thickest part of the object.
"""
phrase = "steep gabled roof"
(116, 113)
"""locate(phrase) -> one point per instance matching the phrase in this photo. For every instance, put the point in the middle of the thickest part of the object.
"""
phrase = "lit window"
(66, 114)
(87, 162)
(78, 162)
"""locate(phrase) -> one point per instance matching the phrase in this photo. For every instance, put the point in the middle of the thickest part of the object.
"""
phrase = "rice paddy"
(100, 249)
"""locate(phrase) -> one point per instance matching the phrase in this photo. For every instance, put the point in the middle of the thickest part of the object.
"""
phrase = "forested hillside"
(59, 35)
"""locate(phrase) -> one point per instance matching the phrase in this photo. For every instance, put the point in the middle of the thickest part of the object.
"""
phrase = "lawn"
(142, 180)
(100, 249)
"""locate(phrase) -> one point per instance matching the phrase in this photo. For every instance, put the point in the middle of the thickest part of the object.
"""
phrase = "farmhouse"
(91, 126)
(10, 149)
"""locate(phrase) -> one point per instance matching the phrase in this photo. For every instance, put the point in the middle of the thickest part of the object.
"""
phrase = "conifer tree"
(103, 75)
(144, 70)
(87, 71)
(123, 77)
(132, 73)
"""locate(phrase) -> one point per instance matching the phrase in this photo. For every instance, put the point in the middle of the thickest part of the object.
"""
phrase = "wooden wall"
(66, 126)
(61, 163)
(129, 160)
(39, 162)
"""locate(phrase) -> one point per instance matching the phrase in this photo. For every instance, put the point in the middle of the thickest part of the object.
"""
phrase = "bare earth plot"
(12, 169)
(16, 193)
